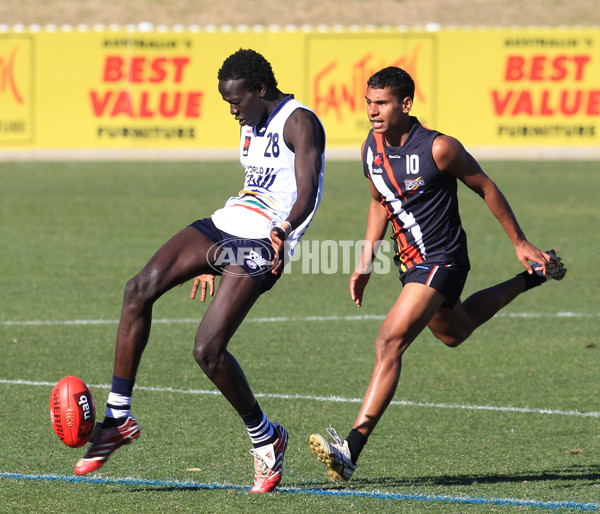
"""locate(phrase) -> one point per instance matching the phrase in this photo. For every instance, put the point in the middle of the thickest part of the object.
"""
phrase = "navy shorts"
(448, 279)
(254, 256)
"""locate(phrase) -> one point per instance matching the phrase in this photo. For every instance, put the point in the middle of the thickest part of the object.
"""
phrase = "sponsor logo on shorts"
(247, 254)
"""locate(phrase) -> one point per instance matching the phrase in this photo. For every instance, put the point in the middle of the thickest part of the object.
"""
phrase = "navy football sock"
(259, 427)
(118, 406)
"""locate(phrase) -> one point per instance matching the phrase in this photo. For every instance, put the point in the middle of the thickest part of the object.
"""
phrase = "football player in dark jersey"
(413, 174)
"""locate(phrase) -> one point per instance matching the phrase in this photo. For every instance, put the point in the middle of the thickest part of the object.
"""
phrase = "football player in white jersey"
(282, 148)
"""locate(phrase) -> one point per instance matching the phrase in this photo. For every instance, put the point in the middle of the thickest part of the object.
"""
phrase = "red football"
(72, 412)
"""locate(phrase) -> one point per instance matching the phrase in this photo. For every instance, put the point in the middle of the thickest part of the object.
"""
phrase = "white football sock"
(118, 406)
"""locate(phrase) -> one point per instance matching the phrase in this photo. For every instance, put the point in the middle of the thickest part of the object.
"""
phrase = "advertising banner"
(130, 89)
(16, 90)
(339, 65)
(521, 87)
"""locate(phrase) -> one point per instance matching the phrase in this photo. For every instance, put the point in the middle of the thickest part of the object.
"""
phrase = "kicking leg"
(181, 258)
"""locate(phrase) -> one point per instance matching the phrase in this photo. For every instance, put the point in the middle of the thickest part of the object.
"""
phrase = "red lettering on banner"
(193, 104)
(142, 69)
(546, 102)
(99, 104)
(123, 104)
(538, 68)
(165, 110)
(159, 71)
(8, 82)
(145, 111)
(560, 68)
(147, 102)
(535, 69)
(330, 95)
(593, 104)
(545, 108)
(523, 105)
(112, 68)
(569, 107)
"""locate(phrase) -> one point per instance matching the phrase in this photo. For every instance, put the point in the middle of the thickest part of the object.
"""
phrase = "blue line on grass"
(555, 505)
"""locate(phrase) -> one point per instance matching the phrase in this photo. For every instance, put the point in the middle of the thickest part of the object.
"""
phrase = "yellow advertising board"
(130, 89)
(339, 65)
(117, 89)
(16, 90)
(521, 87)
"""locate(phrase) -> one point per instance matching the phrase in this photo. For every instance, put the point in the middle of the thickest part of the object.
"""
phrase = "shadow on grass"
(574, 473)
(569, 477)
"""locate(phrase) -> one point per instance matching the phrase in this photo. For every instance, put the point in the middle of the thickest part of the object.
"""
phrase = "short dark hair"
(250, 66)
(398, 80)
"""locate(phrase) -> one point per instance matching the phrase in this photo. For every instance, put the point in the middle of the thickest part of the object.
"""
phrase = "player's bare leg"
(417, 306)
(413, 309)
(181, 258)
(403, 323)
(454, 326)
(236, 295)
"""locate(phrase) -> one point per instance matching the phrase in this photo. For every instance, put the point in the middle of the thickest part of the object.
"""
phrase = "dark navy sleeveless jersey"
(421, 201)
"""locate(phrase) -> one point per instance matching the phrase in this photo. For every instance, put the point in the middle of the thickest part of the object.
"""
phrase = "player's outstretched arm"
(452, 158)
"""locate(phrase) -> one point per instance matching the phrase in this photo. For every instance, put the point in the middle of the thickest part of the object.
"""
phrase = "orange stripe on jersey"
(408, 253)
(256, 193)
(386, 163)
(245, 206)
(413, 254)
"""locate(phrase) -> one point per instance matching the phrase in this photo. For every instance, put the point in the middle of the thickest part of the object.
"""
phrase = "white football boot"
(336, 456)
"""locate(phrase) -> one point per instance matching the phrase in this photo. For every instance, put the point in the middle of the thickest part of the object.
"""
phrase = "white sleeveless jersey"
(270, 184)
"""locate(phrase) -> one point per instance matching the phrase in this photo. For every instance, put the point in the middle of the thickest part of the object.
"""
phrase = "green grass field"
(507, 422)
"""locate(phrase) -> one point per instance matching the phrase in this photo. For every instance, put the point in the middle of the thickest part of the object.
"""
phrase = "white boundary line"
(285, 319)
(333, 399)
